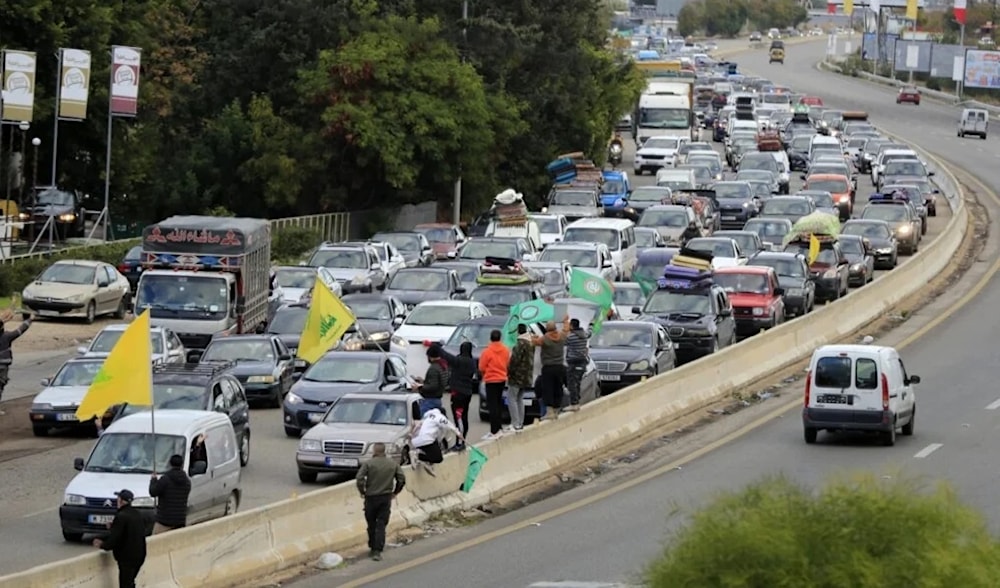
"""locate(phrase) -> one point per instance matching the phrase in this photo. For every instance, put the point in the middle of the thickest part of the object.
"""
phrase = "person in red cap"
(126, 540)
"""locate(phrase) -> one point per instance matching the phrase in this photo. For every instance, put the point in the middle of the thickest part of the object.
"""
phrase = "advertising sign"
(982, 69)
(959, 11)
(125, 62)
(74, 83)
(18, 85)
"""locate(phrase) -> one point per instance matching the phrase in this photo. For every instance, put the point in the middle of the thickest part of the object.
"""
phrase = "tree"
(691, 18)
(780, 14)
(856, 532)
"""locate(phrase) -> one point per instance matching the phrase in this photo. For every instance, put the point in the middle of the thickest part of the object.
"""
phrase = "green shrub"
(18, 273)
(860, 532)
(290, 243)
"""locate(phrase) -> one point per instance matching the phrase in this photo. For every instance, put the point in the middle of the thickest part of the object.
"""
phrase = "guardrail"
(235, 550)
(331, 226)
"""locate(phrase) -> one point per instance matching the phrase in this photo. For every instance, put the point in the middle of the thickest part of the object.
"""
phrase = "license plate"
(610, 378)
(315, 417)
(66, 417)
(835, 399)
(100, 519)
(341, 462)
(729, 218)
(528, 401)
(300, 363)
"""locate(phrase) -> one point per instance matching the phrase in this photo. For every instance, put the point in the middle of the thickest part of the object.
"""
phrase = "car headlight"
(380, 336)
(758, 311)
(830, 274)
(400, 341)
(144, 502)
(856, 267)
(260, 380)
(23, 216)
(354, 344)
(309, 445)
(905, 229)
(697, 332)
(359, 279)
(67, 218)
(293, 398)
(41, 406)
(795, 292)
(639, 366)
(884, 250)
(74, 500)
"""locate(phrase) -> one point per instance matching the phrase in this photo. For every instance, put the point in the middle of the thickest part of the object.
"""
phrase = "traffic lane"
(27, 372)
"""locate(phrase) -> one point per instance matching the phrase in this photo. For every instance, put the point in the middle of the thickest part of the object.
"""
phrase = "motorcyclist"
(617, 141)
(6, 339)
(615, 150)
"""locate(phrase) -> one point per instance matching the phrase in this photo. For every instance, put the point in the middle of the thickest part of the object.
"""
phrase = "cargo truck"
(666, 108)
(204, 276)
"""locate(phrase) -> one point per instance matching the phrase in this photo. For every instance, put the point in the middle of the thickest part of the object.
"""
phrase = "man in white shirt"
(427, 435)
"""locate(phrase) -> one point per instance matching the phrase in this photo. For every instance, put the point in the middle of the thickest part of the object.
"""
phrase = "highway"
(34, 484)
(608, 531)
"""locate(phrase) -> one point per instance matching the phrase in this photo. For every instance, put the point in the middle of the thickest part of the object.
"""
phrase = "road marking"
(41, 512)
(993, 405)
(928, 450)
(777, 412)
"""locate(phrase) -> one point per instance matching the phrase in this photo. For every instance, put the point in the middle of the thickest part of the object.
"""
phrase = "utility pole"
(456, 206)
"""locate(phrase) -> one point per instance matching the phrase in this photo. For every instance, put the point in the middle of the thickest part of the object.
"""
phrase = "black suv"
(196, 386)
(698, 319)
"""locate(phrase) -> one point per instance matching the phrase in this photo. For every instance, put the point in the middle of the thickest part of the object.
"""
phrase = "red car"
(908, 94)
(755, 295)
(811, 101)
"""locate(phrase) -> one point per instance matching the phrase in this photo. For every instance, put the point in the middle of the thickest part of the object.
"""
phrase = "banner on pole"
(74, 83)
(959, 11)
(911, 10)
(125, 63)
(848, 7)
(18, 85)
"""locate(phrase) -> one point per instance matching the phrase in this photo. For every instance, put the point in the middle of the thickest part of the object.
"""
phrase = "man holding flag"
(594, 289)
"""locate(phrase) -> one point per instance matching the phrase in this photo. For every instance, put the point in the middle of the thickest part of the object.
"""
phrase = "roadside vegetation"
(862, 531)
(729, 18)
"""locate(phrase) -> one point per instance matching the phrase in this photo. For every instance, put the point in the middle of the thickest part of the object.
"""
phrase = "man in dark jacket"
(462, 382)
(577, 358)
(127, 540)
(171, 490)
(379, 480)
(6, 339)
(435, 382)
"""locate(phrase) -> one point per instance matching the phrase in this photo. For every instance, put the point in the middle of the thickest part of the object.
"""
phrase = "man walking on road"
(6, 339)
(379, 480)
(520, 373)
(577, 358)
(493, 362)
(127, 540)
(171, 491)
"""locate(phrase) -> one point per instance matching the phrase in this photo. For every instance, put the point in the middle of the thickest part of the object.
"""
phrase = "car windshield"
(761, 189)
(134, 254)
(669, 301)
(867, 230)
(822, 200)
(831, 186)
(639, 337)
(574, 256)
(770, 230)
(716, 247)
(364, 411)
(645, 239)
(476, 333)
(790, 207)
(346, 368)
(853, 246)
(664, 218)
(709, 162)
(904, 167)
(290, 320)
(68, 273)
(628, 297)
(552, 276)
(296, 278)
(401, 241)
(132, 453)
(741, 283)
(439, 234)
(106, 339)
(174, 396)
(887, 212)
(500, 296)
(755, 174)
(466, 273)
(572, 198)
(419, 280)
(826, 255)
(613, 187)
(608, 237)
(664, 118)
(739, 191)
(52, 197)
(77, 373)
(340, 258)
(801, 143)
(369, 309)
(856, 143)
(546, 224)
(477, 249)
(180, 297)
(676, 183)
(237, 349)
(661, 143)
(432, 315)
(746, 242)
(785, 268)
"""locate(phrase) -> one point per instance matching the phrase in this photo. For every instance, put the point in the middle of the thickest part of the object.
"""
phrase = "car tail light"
(809, 379)
(123, 267)
(885, 392)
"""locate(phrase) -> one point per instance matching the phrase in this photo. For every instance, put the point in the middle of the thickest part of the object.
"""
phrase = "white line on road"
(41, 512)
(928, 450)
(993, 405)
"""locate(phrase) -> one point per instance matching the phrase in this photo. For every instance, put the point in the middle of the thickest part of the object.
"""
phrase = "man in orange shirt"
(493, 367)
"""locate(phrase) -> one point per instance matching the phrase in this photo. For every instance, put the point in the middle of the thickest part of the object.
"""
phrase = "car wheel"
(232, 505)
(72, 537)
(960, 134)
(308, 477)
(715, 345)
(810, 435)
(889, 437)
(40, 430)
(289, 431)
(122, 308)
(245, 449)
(908, 427)
(91, 312)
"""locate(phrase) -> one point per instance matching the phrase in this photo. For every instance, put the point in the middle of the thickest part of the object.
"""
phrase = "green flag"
(477, 459)
(590, 287)
(647, 285)
(525, 313)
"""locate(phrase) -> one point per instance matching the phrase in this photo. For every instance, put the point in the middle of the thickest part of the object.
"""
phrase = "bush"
(18, 273)
(859, 532)
(290, 243)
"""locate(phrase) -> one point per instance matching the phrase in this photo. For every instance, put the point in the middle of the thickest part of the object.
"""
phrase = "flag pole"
(152, 402)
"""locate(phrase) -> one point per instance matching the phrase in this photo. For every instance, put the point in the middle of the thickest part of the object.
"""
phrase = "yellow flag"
(911, 10)
(813, 248)
(127, 373)
(848, 7)
(326, 323)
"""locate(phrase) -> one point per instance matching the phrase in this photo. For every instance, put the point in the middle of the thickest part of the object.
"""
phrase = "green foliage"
(727, 18)
(781, 14)
(856, 532)
(691, 18)
(291, 243)
(18, 273)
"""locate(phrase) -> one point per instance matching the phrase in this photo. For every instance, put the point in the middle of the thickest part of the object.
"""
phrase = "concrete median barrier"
(238, 549)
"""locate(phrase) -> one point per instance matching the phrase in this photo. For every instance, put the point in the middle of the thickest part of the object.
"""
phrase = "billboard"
(18, 85)
(861, 5)
(912, 56)
(943, 59)
(125, 63)
(74, 83)
(885, 51)
(982, 69)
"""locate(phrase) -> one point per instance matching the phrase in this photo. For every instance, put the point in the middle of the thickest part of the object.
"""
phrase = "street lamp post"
(36, 143)
(23, 126)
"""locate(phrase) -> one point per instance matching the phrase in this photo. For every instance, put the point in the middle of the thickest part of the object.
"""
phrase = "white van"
(859, 388)
(617, 233)
(122, 458)
(528, 230)
(677, 179)
(824, 143)
(974, 121)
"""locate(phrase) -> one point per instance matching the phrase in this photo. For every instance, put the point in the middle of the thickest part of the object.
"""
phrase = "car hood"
(731, 202)
(788, 282)
(422, 333)
(365, 433)
(575, 211)
(683, 319)
(347, 274)
(879, 243)
(747, 299)
(252, 368)
(105, 484)
(441, 250)
(415, 297)
(550, 238)
(830, 211)
(853, 258)
(292, 295)
(371, 326)
(329, 391)
(61, 396)
(47, 210)
(57, 291)
(721, 262)
(157, 357)
(646, 151)
(626, 354)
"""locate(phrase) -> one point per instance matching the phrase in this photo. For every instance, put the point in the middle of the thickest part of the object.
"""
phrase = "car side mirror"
(725, 313)
(460, 290)
(636, 310)
(930, 173)
(296, 376)
(45, 382)
(452, 255)
(396, 258)
(81, 350)
(285, 357)
(194, 356)
(376, 266)
(397, 321)
(78, 464)
(802, 177)
(199, 468)
(913, 380)
(392, 379)
(103, 283)
(779, 291)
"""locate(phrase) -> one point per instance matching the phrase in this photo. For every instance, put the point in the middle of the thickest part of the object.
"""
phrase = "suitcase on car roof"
(694, 263)
(561, 170)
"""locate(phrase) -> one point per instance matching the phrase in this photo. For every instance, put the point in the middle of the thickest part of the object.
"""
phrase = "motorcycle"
(615, 154)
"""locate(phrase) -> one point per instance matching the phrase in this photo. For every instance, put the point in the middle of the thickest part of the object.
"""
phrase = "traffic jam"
(728, 206)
